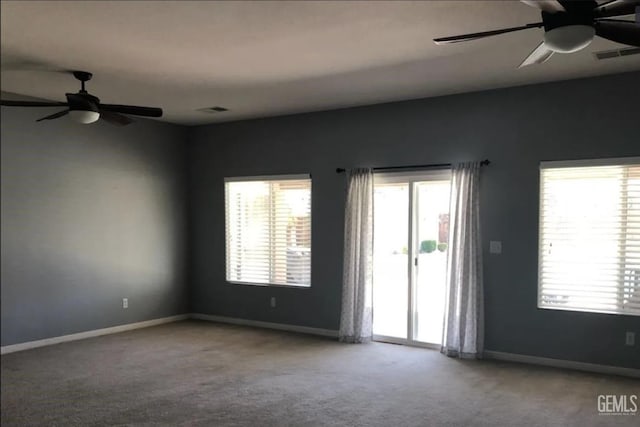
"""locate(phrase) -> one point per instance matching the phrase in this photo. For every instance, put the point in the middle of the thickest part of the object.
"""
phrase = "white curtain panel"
(464, 315)
(356, 317)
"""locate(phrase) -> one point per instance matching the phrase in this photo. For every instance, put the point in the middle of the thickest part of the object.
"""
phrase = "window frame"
(583, 163)
(269, 178)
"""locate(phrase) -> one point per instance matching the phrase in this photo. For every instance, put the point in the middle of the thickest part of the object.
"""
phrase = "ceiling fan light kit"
(570, 26)
(84, 116)
(571, 38)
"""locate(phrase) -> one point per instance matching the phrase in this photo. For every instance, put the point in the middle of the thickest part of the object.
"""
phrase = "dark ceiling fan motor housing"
(577, 13)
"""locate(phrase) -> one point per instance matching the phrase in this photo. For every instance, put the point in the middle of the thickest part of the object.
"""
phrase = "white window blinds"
(268, 230)
(589, 254)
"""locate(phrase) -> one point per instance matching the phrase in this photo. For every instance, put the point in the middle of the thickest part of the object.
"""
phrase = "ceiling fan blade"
(115, 118)
(32, 104)
(549, 6)
(539, 55)
(617, 8)
(132, 109)
(474, 36)
(626, 32)
(54, 116)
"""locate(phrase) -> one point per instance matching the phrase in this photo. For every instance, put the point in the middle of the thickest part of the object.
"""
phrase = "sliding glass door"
(411, 227)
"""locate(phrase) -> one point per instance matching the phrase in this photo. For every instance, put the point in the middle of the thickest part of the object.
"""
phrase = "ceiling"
(267, 58)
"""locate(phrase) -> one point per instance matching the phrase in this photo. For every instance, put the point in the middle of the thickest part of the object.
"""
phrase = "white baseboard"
(559, 363)
(496, 355)
(89, 334)
(279, 326)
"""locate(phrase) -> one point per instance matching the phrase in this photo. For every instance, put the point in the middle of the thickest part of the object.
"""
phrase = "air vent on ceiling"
(215, 109)
(615, 53)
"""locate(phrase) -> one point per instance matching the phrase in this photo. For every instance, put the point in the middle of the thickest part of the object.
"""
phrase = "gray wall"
(90, 214)
(516, 128)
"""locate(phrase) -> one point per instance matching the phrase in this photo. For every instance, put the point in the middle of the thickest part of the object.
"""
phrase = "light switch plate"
(495, 247)
(630, 338)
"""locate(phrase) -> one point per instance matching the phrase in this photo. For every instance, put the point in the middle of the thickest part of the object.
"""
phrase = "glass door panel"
(432, 234)
(391, 260)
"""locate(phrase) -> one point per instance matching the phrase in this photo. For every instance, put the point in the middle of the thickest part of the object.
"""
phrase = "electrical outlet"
(125, 302)
(273, 302)
(630, 338)
(495, 247)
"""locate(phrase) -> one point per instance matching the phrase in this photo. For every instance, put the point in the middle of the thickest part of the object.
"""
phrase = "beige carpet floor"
(206, 374)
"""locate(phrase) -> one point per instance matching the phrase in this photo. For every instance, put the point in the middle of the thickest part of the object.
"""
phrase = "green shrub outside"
(428, 246)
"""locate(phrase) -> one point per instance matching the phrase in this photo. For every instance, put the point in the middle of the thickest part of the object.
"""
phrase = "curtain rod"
(433, 165)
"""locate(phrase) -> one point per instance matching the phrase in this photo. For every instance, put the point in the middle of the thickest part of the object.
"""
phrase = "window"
(589, 245)
(268, 230)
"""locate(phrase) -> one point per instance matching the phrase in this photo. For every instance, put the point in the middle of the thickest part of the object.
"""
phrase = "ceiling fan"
(86, 108)
(570, 25)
